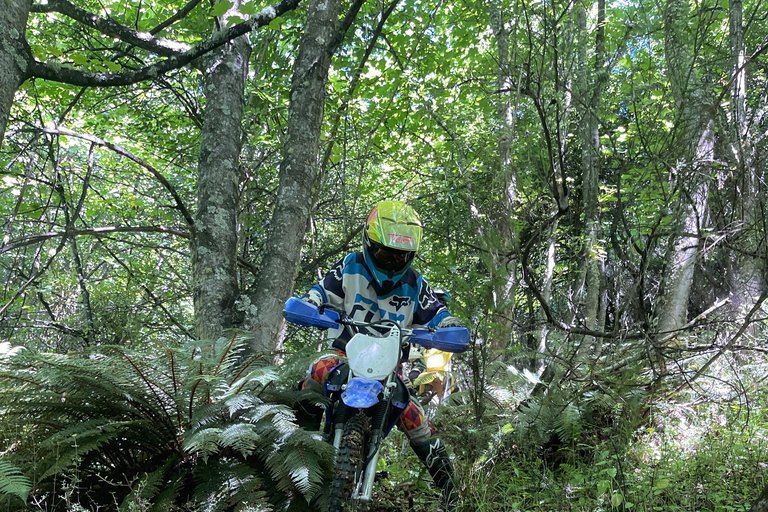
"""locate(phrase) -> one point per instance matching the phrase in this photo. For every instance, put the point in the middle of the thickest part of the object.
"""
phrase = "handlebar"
(447, 339)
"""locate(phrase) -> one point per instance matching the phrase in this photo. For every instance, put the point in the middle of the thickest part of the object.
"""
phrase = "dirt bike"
(367, 392)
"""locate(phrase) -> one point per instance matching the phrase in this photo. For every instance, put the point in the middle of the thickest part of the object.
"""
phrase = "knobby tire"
(350, 464)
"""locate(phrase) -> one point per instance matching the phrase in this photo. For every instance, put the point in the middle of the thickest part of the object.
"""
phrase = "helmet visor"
(387, 259)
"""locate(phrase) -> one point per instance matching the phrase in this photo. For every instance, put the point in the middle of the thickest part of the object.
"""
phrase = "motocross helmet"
(391, 237)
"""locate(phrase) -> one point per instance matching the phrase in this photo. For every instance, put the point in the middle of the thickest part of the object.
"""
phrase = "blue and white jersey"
(350, 287)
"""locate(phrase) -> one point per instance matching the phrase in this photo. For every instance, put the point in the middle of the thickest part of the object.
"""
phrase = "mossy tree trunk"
(501, 214)
(214, 241)
(263, 304)
(590, 85)
(14, 54)
(690, 178)
(745, 276)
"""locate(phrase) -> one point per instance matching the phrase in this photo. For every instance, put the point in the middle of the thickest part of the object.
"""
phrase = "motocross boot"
(308, 413)
(433, 454)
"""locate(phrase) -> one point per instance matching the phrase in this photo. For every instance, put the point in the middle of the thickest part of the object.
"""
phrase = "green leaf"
(13, 482)
(277, 23)
(249, 8)
(234, 20)
(220, 8)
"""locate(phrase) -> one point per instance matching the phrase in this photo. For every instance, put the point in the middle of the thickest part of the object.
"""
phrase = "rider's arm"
(428, 311)
(330, 288)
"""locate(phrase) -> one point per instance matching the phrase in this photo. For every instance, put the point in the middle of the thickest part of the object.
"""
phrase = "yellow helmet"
(391, 237)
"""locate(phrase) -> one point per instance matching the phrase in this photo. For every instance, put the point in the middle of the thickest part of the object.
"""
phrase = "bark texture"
(691, 175)
(263, 304)
(746, 279)
(501, 213)
(214, 243)
(590, 86)
(15, 54)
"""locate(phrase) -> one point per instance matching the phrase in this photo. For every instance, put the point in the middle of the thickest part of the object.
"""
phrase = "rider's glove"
(450, 321)
(312, 299)
(417, 352)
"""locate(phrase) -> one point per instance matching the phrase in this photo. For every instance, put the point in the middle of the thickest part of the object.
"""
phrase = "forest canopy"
(591, 181)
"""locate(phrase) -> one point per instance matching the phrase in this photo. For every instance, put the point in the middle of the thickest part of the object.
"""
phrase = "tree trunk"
(214, 243)
(590, 92)
(298, 171)
(761, 504)
(745, 279)
(690, 178)
(15, 55)
(501, 215)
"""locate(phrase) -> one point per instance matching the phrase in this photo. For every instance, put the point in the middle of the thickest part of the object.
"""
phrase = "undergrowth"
(678, 459)
(199, 428)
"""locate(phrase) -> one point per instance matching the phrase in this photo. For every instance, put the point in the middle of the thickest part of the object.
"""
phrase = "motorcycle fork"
(377, 437)
(365, 490)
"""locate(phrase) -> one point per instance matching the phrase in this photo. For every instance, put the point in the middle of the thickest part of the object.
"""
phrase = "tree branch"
(175, 60)
(176, 17)
(729, 345)
(111, 28)
(149, 293)
(35, 275)
(97, 232)
(124, 152)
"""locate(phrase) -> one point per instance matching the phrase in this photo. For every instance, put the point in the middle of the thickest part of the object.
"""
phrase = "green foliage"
(666, 459)
(162, 428)
(546, 418)
(13, 482)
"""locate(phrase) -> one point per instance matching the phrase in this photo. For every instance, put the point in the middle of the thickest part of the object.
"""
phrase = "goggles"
(388, 259)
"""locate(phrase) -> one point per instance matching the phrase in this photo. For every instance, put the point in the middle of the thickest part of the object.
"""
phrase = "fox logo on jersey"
(399, 302)
(337, 271)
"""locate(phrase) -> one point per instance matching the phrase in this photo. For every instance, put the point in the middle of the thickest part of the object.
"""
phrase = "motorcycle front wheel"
(350, 465)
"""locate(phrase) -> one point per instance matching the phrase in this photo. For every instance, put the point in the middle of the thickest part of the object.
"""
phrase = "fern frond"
(224, 485)
(502, 394)
(168, 494)
(300, 463)
(269, 412)
(254, 379)
(7, 350)
(241, 437)
(145, 490)
(290, 397)
(204, 442)
(78, 431)
(13, 481)
(568, 423)
(237, 403)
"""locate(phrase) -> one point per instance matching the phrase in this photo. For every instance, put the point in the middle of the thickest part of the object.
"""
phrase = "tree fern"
(146, 489)
(146, 428)
(13, 481)
(302, 460)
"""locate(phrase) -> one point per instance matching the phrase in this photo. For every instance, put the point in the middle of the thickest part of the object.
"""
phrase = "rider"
(418, 360)
(379, 283)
